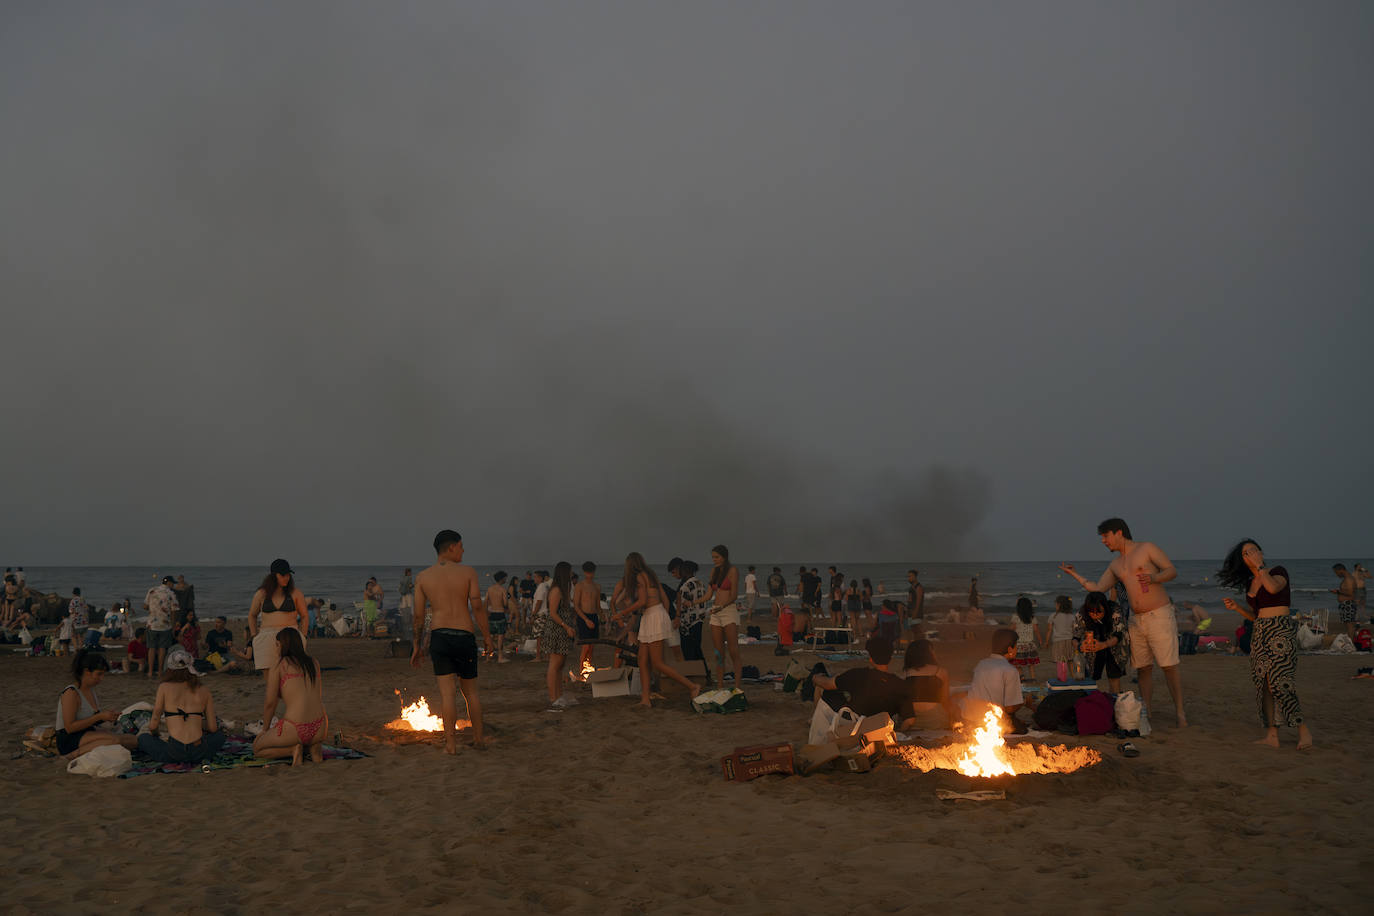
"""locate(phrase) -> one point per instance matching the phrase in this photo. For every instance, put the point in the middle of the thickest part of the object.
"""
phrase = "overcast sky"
(861, 281)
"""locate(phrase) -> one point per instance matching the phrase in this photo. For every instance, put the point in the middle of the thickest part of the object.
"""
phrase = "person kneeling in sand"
(193, 733)
(296, 680)
(996, 684)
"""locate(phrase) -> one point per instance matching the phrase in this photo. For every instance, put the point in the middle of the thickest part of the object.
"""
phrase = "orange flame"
(417, 718)
(984, 756)
(988, 755)
(587, 669)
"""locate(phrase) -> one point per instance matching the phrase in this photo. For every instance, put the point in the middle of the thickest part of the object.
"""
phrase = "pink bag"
(1095, 713)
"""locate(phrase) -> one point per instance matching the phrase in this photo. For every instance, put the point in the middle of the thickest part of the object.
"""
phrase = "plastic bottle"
(1145, 585)
(1144, 721)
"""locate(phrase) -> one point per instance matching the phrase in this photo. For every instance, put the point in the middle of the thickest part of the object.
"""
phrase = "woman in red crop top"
(1274, 645)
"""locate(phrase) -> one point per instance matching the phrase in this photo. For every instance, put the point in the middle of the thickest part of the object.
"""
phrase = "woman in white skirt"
(643, 591)
(277, 604)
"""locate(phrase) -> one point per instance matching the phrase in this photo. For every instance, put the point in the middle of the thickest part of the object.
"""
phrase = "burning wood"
(988, 755)
(587, 669)
(417, 718)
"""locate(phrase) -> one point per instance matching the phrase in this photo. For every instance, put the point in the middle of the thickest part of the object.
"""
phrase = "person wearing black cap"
(279, 604)
(161, 603)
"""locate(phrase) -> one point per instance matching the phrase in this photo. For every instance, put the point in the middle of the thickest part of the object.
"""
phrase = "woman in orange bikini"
(295, 680)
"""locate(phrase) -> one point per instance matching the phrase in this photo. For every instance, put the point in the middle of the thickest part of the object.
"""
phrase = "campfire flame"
(587, 669)
(984, 756)
(988, 755)
(417, 718)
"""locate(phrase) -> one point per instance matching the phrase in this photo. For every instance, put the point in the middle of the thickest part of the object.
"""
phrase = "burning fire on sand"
(988, 755)
(417, 718)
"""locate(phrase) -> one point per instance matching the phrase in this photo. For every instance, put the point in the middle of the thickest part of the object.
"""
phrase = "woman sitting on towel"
(280, 604)
(193, 733)
(295, 680)
(79, 716)
(1273, 641)
(1101, 632)
(929, 686)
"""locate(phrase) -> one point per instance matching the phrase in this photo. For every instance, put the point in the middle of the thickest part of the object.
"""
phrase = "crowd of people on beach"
(1125, 623)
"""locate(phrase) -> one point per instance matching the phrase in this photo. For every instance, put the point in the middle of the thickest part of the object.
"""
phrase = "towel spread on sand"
(236, 753)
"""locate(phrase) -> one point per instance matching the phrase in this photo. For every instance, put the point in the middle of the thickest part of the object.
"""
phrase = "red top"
(136, 650)
(1262, 599)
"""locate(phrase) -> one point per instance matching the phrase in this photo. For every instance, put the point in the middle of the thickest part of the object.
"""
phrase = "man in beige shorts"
(1142, 568)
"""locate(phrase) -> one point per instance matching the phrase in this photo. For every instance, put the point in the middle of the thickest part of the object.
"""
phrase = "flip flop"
(1129, 749)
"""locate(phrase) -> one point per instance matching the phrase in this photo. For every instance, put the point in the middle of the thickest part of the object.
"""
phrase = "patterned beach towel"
(235, 754)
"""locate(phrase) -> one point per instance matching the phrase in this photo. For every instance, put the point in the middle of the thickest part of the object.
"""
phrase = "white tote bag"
(106, 760)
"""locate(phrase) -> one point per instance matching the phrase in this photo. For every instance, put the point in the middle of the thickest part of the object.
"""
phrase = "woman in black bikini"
(79, 715)
(295, 679)
(280, 604)
(193, 733)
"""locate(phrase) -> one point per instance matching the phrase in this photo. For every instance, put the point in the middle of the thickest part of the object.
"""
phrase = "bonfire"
(417, 718)
(989, 755)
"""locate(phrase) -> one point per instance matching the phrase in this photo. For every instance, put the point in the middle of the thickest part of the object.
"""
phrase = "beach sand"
(605, 808)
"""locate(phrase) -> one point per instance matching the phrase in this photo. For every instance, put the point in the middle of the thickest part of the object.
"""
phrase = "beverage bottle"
(1145, 584)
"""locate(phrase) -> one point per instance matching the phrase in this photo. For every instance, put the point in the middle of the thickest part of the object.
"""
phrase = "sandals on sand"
(1129, 749)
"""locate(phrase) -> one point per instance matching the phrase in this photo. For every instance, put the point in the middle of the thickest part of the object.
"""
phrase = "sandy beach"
(606, 808)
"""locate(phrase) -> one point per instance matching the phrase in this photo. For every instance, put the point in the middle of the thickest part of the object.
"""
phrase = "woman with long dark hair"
(279, 604)
(79, 716)
(1101, 634)
(296, 681)
(557, 638)
(724, 619)
(641, 589)
(1273, 643)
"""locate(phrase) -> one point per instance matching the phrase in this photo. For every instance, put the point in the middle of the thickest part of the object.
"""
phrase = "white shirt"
(541, 597)
(751, 584)
(996, 681)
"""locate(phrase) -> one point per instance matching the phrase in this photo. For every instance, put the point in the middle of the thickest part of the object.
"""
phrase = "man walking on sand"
(1142, 568)
(1345, 598)
(450, 589)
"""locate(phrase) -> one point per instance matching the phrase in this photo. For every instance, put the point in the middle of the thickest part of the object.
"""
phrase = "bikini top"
(184, 714)
(1263, 599)
(287, 606)
(288, 675)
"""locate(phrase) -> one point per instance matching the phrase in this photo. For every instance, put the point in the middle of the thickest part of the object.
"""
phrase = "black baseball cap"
(168, 580)
(281, 567)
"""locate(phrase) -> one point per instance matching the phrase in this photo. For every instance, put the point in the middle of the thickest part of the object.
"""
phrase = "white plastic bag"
(106, 760)
(1342, 645)
(827, 724)
(1307, 639)
(25, 637)
(1127, 711)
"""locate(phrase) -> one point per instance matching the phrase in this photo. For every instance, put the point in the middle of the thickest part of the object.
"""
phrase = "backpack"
(1095, 714)
(1056, 712)
(1363, 640)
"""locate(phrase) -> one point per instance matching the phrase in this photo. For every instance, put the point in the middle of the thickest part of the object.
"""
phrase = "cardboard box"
(614, 682)
(859, 760)
(877, 729)
(747, 763)
(815, 756)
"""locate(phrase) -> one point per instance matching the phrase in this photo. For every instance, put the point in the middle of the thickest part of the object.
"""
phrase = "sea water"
(228, 590)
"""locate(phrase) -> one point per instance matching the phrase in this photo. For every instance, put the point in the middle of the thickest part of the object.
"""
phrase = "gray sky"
(868, 281)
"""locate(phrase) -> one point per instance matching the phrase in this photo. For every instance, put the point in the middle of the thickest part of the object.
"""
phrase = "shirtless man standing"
(1141, 568)
(1345, 598)
(498, 599)
(450, 588)
(587, 606)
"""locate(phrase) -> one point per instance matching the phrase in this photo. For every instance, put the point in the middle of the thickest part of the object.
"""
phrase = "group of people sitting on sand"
(185, 708)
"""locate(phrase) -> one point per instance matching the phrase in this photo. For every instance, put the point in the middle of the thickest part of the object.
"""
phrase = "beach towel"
(237, 753)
